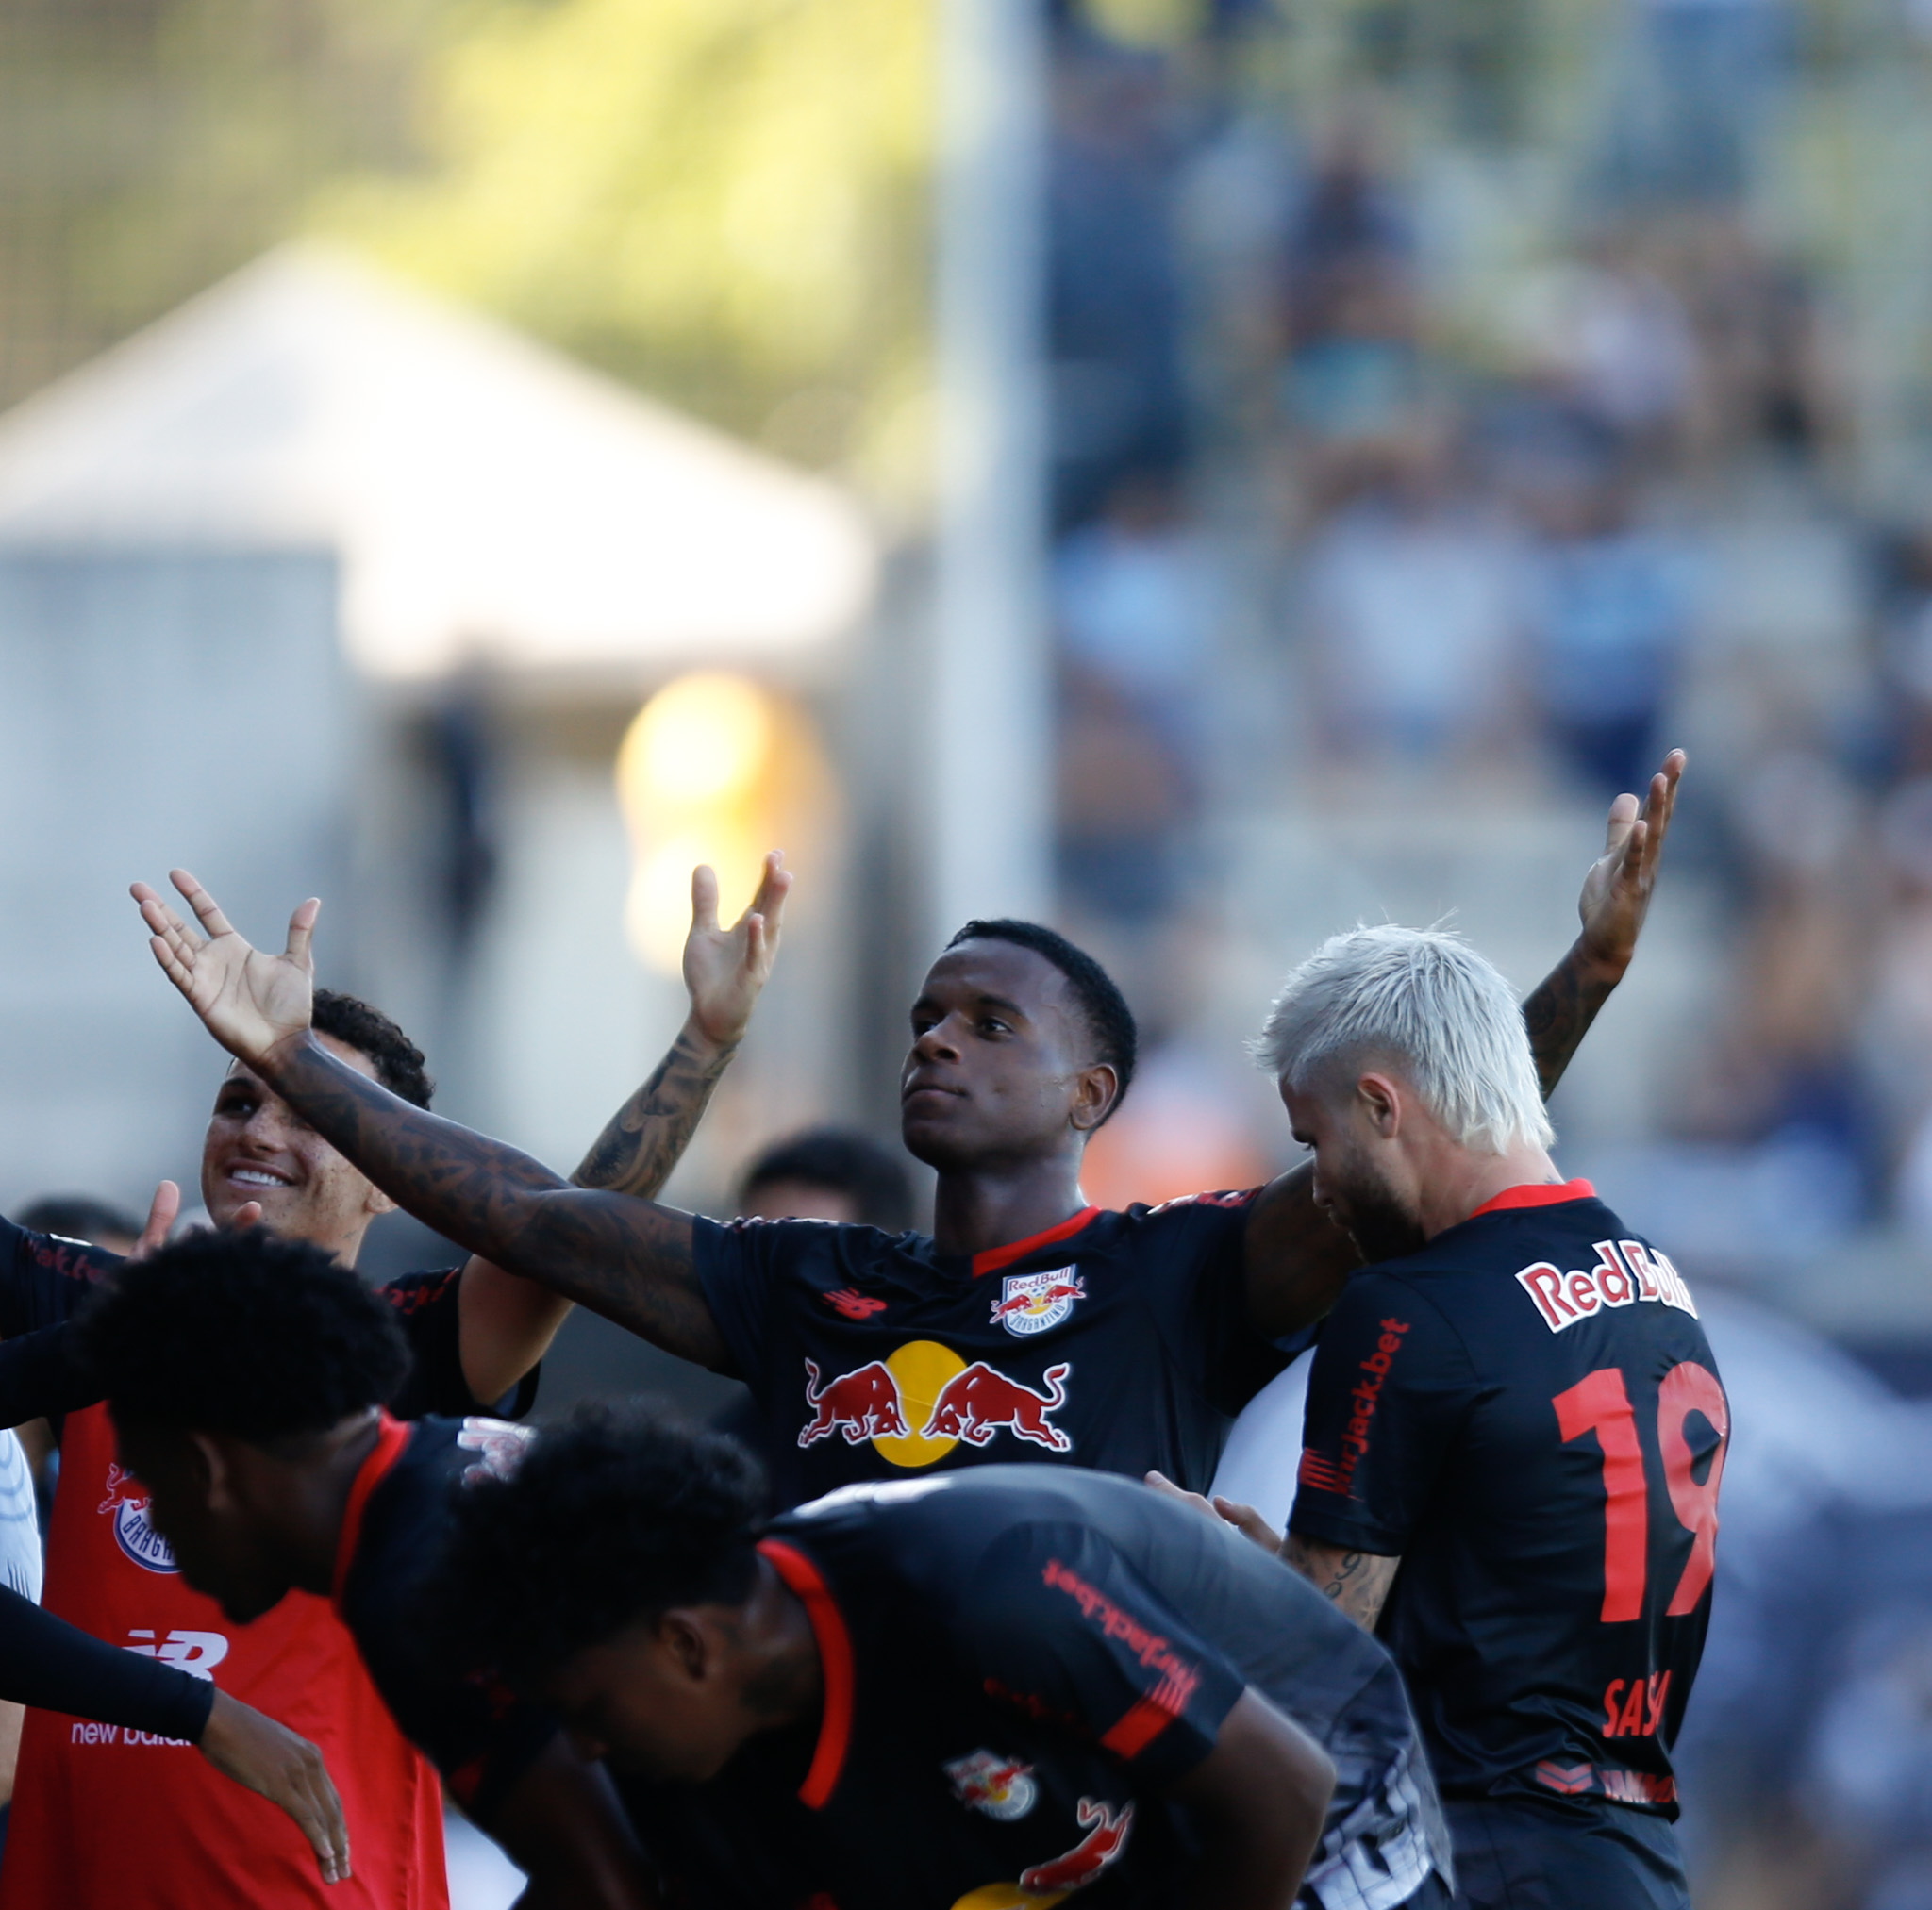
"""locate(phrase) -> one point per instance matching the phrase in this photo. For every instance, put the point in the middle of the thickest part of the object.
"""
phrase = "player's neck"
(317, 1505)
(974, 1211)
(1469, 1181)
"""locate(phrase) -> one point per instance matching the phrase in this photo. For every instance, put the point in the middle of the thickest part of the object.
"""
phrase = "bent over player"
(248, 1378)
(988, 1688)
(1515, 1430)
(1030, 1326)
(475, 1332)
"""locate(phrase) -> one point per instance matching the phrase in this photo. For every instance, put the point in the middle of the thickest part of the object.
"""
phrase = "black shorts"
(1521, 1856)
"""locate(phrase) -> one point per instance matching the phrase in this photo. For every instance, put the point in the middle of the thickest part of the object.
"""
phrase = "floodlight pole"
(989, 732)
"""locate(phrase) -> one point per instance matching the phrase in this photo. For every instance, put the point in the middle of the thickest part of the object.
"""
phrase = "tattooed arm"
(1355, 1582)
(1297, 1260)
(626, 1258)
(1615, 899)
(726, 971)
(506, 1322)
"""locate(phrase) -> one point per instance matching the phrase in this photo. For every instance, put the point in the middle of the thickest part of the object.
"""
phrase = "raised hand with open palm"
(249, 1002)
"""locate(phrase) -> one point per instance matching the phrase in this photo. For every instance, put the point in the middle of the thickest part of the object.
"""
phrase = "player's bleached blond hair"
(1431, 1005)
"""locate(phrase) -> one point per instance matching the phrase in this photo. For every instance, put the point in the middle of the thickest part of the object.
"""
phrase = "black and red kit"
(1526, 1412)
(1116, 1340)
(1019, 1665)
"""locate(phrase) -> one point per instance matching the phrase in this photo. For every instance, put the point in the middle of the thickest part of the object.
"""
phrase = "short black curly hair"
(1116, 1039)
(616, 1515)
(845, 1161)
(399, 1063)
(243, 1333)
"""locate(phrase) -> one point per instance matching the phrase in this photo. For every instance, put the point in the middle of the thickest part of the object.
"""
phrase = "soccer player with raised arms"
(1030, 1326)
(1515, 1430)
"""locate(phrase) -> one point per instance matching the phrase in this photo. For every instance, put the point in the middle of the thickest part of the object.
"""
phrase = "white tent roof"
(489, 498)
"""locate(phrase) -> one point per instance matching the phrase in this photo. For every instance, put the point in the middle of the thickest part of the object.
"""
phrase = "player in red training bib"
(1030, 1326)
(1515, 1429)
(476, 1335)
(247, 1378)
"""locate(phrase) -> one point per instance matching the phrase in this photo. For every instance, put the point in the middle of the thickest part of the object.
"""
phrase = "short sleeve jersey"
(187, 1838)
(1116, 1340)
(1527, 1412)
(1020, 1664)
(476, 1735)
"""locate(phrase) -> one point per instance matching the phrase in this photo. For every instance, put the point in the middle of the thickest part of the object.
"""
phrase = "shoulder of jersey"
(1239, 1197)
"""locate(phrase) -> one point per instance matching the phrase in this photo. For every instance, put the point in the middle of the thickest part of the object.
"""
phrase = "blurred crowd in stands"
(1617, 509)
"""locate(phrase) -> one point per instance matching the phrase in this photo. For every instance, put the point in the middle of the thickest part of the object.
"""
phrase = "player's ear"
(1095, 1090)
(375, 1202)
(1379, 1099)
(685, 1641)
(208, 1472)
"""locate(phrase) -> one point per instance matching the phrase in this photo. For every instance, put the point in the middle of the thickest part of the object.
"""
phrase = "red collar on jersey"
(996, 1257)
(1538, 1194)
(835, 1659)
(391, 1436)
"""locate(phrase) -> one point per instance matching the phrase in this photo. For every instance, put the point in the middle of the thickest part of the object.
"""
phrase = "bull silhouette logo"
(1105, 1839)
(980, 1402)
(862, 1404)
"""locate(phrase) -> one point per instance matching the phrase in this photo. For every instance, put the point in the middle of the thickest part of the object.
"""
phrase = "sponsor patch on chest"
(1000, 1788)
(1031, 1302)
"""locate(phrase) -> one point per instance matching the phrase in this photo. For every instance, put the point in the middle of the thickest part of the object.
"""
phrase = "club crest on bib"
(128, 1500)
(1000, 1788)
(1031, 1302)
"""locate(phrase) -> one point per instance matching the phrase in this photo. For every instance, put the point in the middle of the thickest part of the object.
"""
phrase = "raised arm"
(724, 972)
(1297, 1259)
(1615, 899)
(506, 1322)
(626, 1258)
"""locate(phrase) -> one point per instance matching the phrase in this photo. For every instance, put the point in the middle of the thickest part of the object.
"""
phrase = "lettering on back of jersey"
(1625, 1274)
(1031, 1302)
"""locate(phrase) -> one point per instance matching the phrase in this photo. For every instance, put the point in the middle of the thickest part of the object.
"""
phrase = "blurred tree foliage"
(723, 201)
(148, 147)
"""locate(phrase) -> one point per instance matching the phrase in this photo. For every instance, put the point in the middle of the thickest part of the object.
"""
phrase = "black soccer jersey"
(1527, 1412)
(476, 1735)
(1018, 1665)
(44, 1279)
(1114, 1341)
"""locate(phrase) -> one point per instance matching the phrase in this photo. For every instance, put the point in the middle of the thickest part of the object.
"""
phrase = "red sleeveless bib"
(109, 1817)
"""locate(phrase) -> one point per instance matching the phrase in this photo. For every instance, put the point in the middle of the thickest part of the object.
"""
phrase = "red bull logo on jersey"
(1000, 1788)
(126, 1501)
(1032, 1303)
(863, 1404)
(921, 1399)
(982, 1401)
(1627, 1272)
(1105, 1843)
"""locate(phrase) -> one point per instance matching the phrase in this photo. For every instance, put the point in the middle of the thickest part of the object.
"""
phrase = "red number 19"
(1598, 1403)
